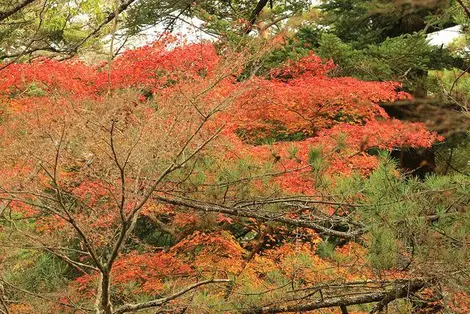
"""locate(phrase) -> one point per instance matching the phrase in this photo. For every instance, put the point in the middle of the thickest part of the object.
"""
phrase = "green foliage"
(452, 158)
(204, 301)
(325, 249)
(146, 13)
(383, 252)
(48, 27)
(403, 58)
(403, 216)
(228, 20)
(150, 234)
(315, 158)
(450, 80)
(46, 272)
(375, 20)
(380, 46)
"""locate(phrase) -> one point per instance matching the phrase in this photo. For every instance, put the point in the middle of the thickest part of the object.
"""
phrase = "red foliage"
(311, 65)
(338, 118)
(218, 251)
(159, 65)
(146, 271)
(71, 77)
(310, 101)
(299, 99)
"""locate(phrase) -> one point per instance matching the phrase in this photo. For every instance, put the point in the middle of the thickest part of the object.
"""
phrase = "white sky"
(445, 36)
(190, 29)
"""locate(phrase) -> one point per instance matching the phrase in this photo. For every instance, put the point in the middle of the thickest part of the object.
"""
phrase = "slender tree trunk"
(103, 297)
(105, 294)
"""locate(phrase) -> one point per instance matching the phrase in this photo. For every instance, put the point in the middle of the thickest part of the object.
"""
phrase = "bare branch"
(39, 296)
(159, 302)
(106, 21)
(6, 14)
(465, 8)
(68, 216)
(264, 216)
(28, 46)
(402, 289)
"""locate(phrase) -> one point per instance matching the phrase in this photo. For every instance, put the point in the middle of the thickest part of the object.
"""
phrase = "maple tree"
(171, 180)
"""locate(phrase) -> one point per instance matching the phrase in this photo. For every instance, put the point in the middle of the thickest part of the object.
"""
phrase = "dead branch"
(401, 289)
(311, 223)
(159, 302)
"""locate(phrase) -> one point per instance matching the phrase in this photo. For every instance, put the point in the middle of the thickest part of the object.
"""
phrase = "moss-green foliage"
(276, 133)
(452, 156)
(446, 78)
(403, 58)
(315, 158)
(374, 40)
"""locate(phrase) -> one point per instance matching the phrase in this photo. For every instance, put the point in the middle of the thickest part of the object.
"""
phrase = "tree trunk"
(103, 297)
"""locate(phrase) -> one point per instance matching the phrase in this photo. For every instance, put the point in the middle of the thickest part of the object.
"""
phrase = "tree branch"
(465, 8)
(7, 14)
(39, 296)
(402, 289)
(257, 214)
(111, 16)
(159, 302)
(254, 15)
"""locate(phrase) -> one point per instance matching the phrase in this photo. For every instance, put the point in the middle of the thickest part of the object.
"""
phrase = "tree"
(125, 190)
(55, 28)
(230, 20)
(62, 29)
(73, 196)
(389, 42)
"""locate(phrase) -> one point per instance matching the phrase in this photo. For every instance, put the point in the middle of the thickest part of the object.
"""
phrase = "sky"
(445, 36)
(190, 29)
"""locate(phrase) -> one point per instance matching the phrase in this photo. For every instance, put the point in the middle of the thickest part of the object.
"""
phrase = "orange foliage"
(340, 117)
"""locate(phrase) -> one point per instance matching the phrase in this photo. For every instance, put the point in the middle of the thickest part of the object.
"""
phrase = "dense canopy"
(256, 173)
